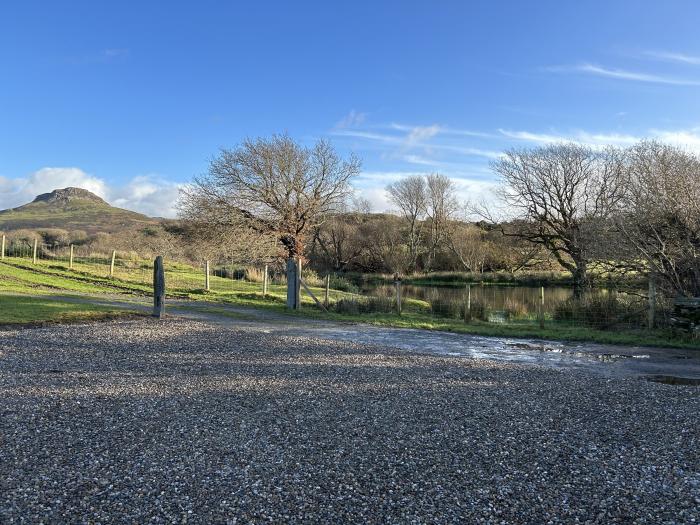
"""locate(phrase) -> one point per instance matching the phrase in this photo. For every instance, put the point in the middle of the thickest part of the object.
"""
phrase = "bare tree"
(441, 208)
(410, 196)
(272, 186)
(660, 218)
(561, 194)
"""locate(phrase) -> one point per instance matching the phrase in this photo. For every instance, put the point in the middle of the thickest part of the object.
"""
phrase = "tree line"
(569, 206)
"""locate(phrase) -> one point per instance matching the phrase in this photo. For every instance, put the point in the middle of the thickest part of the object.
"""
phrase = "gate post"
(292, 284)
(158, 287)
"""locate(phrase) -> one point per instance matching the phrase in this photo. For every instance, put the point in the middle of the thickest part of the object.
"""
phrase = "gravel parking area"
(182, 421)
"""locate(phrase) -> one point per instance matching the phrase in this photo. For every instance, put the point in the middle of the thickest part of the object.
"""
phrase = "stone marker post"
(2, 251)
(158, 287)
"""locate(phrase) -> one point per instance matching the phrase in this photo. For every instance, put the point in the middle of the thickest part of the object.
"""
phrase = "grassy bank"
(27, 310)
(22, 277)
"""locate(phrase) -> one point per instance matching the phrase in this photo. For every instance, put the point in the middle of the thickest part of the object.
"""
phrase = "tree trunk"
(581, 280)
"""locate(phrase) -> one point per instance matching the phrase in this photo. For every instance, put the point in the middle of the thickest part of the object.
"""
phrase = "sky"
(131, 100)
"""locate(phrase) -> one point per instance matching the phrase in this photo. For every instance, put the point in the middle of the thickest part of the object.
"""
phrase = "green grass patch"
(26, 310)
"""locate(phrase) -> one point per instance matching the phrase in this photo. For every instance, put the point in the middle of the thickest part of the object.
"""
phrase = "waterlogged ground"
(233, 420)
(674, 366)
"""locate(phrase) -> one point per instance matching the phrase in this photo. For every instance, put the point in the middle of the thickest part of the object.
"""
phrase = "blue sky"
(132, 99)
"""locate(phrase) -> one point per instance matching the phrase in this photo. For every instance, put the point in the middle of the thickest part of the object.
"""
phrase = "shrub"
(365, 305)
(602, 310)
(515, 309)
(343, 284)
(449, 308)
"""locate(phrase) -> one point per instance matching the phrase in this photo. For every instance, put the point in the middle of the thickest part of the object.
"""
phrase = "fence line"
(476, 304)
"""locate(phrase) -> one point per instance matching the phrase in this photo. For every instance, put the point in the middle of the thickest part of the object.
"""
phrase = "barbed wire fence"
(128, 271)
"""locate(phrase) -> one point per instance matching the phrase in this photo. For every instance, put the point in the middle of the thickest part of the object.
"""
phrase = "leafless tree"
(272, 186)
(561, 193)
(410, 196)
(441, 208)
(660, 218)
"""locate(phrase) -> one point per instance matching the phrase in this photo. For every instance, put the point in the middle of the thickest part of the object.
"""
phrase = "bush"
(448, 308)
(365, 305)
(343, 284)
(515, 309)
(603, 310)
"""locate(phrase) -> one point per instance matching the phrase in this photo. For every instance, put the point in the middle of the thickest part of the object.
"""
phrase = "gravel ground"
(180, 421)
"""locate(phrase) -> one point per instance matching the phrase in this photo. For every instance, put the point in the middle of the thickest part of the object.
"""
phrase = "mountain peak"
(66, 195)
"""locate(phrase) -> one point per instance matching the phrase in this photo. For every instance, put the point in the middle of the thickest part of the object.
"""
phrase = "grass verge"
(26, 310)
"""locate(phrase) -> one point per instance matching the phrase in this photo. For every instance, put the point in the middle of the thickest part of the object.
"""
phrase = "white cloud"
(674, 57)
(580, 137)
(622, 74)
(351, 120)
(148, 194)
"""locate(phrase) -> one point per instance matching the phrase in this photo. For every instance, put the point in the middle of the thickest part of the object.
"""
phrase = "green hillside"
(73, 209)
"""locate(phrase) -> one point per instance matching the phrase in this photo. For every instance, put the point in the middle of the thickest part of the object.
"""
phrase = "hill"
(73, 209)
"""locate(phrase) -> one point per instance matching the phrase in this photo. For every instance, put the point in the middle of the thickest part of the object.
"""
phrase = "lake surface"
(494, 297)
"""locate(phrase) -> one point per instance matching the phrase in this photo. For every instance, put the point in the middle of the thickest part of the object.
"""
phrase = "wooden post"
(652, 301)
(326, 297)
(158, 287)
(291, 283)
(70, 260)
(468, 309)
(398, 296)
(541, 306)
(297, 299)
(34, 255)
(206, 275)
(111, 264)
(265, 281)
(2, 249)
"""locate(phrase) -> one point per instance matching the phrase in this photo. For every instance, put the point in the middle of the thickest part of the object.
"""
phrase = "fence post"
(652, 301)
(206, 275)
(265, 281)
(2, 251)
(468, 309)
(70, 260)
(158, 287)
(291, 283)
(34, 253)
(111, 264)
(326, 297)
(541, 306)
(398, 296)
(297, 288)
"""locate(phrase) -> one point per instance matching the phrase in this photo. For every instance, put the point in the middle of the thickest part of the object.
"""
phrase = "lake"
(494, 297)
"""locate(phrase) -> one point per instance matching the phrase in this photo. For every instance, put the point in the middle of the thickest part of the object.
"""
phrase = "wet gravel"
(182, 421)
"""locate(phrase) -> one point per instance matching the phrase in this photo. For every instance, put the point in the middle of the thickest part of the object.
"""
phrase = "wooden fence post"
(326, 297)
(468, 309)
(158, 287)
(398, 296)
(265, 281)
(291, 283)
(206, 275)
(541, 306)
(297, 292)
(34, 254)
(2, 251)
(70, 260)
(111, 264)
(652, 301)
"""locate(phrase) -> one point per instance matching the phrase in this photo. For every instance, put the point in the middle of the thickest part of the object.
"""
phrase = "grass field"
(132, 278)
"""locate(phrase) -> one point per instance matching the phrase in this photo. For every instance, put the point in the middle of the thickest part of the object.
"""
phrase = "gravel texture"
(181, 421)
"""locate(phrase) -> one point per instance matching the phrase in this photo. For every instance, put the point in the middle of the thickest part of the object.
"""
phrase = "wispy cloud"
(623, 74)
(681, 58)
(580, 137)
(351, 120)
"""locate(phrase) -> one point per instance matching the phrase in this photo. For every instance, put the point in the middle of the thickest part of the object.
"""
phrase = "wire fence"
(121, 271)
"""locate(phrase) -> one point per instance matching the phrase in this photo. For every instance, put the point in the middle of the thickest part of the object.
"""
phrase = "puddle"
(674, 380)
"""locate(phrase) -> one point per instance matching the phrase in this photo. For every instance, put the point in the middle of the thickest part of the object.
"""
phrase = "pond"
(526, 299)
